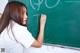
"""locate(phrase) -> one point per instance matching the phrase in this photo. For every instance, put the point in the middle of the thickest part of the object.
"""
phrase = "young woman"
(14, 36)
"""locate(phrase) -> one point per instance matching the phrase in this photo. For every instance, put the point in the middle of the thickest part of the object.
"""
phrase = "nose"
(26, 16)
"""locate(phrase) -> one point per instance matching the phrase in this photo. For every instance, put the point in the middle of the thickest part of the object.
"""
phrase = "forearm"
(41, 34)
(39, 41)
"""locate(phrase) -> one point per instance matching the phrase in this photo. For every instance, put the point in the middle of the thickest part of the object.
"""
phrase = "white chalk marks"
(36, 16)
(45, 2)
(52, 5)
(38, 4)
(72, 1)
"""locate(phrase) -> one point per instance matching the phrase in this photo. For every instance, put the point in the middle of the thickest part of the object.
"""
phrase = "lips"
(25, 20)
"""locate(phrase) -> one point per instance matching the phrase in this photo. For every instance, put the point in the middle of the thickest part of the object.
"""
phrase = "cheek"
(24, 17)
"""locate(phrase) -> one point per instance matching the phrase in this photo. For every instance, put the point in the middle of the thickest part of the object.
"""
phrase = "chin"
(25, 24)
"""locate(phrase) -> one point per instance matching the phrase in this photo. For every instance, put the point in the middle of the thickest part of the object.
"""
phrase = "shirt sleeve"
(23, 36)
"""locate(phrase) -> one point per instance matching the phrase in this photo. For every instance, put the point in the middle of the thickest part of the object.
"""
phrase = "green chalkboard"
(63, 20)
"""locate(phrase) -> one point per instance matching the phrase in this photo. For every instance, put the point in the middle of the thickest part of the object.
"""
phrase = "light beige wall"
(2, 5)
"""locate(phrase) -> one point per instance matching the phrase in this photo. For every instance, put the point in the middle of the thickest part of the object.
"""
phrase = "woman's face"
(25, 17)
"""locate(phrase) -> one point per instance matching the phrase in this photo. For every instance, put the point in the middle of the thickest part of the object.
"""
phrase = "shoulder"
(19, 28)
(16, 25)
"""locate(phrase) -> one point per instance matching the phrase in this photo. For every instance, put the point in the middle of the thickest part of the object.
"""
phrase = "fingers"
(42, 15)
(43, 19)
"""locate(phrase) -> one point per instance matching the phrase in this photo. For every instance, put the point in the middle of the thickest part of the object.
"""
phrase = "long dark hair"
(13, 11)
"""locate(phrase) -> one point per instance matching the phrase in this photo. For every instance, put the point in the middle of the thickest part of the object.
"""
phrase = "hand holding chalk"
(43, 19)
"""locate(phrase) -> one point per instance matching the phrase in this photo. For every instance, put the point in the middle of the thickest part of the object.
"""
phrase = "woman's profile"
(14, 35)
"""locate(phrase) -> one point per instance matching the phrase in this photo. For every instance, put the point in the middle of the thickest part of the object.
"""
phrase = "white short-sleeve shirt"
(16, 39)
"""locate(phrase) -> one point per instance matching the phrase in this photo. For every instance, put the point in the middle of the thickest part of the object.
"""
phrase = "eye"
(22, 13)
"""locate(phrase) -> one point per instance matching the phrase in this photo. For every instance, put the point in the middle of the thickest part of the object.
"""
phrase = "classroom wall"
(2, 5)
